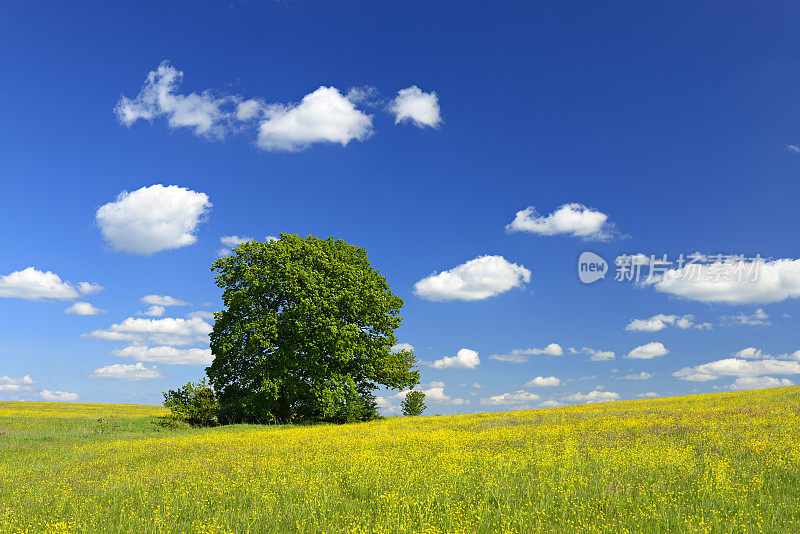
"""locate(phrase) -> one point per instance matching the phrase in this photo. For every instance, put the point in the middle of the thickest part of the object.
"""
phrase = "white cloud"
(505, 399)
(574, 219)
(416, 106)
(760, 382)
(549, 404)
(154, 311)
(89, 288)
(522, 355)
(32, 284)
(737, 367)
(152, 219)
(24, 380)
(167, 331)
(83, 308)
(363, 95)
(402, 346)
(648, 351)
(738, 282)
(464, 359)
(750, 353)
(596, 355)
(543, 381)
(793, 148)
(324, 116)
(593, 397)
(58, 396)
(641, 376)
(477, 279)
(162, 300)
(648, 395)
(231, 241)
(434, 394)
(661, 321)
(133, 372)
(203, 112)
(166, 355)
(757, 318)
(15, 385)
(249, 109)
(207, 315)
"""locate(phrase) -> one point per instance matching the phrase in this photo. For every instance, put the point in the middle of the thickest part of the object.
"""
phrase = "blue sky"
(664, 129)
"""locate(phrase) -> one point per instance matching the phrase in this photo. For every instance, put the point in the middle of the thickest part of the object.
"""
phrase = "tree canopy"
(306, 333)
(414, 403)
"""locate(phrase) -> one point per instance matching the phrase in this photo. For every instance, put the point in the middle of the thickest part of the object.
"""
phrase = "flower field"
(725, 462)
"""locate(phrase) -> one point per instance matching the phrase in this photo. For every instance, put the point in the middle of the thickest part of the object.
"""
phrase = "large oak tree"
(306, 333)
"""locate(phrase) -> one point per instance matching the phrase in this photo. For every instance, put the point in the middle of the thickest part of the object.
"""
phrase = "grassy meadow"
(726, 462)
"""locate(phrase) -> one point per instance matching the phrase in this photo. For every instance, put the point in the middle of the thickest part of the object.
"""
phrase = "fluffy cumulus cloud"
(135, 372)
(732, 282)
(152, 219)
(748, 363)
(595, 354)
(83, 308)
(760, 382)
(648, 351)
(571, 219)
(464, 359)
(203, 113)
(750, 353)
(523, 355)
(163, 300)
(414, 105)
(543, 381)
(593, 397)
(58, 396)
(33, 284)
(154, 311)
(477, 279)
(166, 355)
(662, 321)
(520, 397)
(12, 386)
(324, 116)
(167, 331)
(16, 385)
(648, 395)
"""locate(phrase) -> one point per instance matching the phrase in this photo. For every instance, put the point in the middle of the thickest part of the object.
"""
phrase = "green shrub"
(194, 404)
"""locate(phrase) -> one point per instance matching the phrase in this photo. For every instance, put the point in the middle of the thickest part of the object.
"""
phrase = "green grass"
(718, 463)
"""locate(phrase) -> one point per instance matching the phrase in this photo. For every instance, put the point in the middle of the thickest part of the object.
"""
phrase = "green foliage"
(193, 404)
(306, 333)
(414, 403)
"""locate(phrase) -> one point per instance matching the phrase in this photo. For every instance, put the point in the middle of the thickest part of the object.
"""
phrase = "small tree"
(414, 403)
(194, 404)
